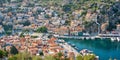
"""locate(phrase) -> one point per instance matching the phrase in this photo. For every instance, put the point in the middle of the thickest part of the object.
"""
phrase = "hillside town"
(29, 16)
(38, 27)
(21, 17)
(36, 46)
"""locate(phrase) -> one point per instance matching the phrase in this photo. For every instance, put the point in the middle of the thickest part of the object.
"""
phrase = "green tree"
(47, 16)
(41, 53)
(42, 29)
(36, 58)
(67, 22)
(49, 58)
(8, 28)
(59, 55)
(89, 57)
(13, 50)
(67, 8)
(21, 56)
(13, 58)
(1, 54)
(22, 34)
(26, 23)
(79, 57)
(86, 57)
(34, 36)
(24, 56)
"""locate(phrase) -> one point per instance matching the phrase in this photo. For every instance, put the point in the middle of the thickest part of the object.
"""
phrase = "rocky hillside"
(93, 14)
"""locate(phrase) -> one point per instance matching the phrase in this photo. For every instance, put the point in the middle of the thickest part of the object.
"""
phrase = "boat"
(87, 38)
(92, 38)
(61, 41)
(73, 45)
(113, 39)
(76, 48)
(85, 51)
(118, 39)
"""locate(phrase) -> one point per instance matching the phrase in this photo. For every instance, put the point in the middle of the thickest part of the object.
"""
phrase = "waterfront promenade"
(113, 38)
(69, 48)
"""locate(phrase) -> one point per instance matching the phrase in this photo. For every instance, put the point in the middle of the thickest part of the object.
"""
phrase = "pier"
(112, 38)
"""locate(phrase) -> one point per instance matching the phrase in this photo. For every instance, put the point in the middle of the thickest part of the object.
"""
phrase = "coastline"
(69, 48)
(105, 48)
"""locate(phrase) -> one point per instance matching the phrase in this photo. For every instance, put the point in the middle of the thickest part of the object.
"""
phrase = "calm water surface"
(105, 48)
(1, 35)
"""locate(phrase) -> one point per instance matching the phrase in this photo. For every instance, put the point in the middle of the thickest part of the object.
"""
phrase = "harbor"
(71, 47)
(105, 48)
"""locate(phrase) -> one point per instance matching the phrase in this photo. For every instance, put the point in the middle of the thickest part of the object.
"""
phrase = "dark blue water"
(105, 48)
(1, 35)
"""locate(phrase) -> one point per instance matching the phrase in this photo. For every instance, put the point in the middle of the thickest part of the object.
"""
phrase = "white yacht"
(113, 39)
(87, 38)
(92, 38)
(118, 38)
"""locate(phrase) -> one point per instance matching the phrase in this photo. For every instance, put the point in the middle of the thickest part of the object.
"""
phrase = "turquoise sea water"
(1, 35)
(104, 48)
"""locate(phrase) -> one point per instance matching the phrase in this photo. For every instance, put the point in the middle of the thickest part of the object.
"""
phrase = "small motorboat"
(85, 51)
(92, 38)
(73, 45)
(76, 48)
(87, 38)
